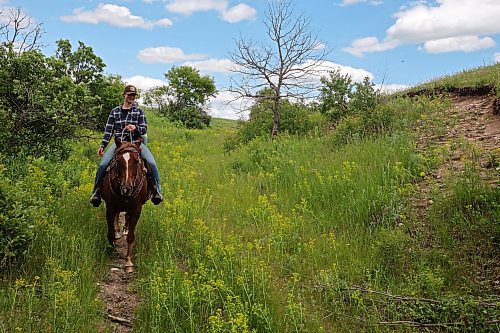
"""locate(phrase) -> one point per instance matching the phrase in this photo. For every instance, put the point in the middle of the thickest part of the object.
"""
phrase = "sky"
(396, 43)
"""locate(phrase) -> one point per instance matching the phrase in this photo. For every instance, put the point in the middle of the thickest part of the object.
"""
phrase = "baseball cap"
(130, 89)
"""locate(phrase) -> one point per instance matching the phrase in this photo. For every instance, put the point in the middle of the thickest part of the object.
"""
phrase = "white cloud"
(423, 23)
(227, 105)
(166, 55)
(368, 44)
(212, 65)
(353, 2)
(464, 44)
(143, 82)
(391, 88)
(238, 13)
(114, 15)
(496, 57)
(356, 74)
(233, 14)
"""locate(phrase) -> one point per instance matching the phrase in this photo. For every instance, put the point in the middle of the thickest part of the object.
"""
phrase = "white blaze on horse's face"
(126, 157)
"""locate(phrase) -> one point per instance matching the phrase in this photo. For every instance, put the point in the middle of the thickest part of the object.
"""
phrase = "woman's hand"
(100, 151)
(130, 127)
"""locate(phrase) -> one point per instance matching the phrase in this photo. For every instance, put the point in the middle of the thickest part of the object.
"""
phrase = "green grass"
(277, 236)
(475, 77)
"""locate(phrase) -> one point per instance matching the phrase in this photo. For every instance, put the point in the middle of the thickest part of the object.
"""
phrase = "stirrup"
(156, 198)
(95, 199)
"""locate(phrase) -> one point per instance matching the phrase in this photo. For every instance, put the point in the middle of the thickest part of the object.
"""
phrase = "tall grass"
(277, 236)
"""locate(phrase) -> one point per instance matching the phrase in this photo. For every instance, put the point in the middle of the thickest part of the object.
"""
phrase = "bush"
(295, 119)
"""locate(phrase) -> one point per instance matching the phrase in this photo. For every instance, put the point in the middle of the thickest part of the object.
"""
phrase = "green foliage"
(295, 119)
(45, 101)
(341, 98)
(336, 93)
(188, 95)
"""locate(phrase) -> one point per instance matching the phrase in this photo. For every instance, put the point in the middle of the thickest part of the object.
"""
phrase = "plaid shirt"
(117, 122)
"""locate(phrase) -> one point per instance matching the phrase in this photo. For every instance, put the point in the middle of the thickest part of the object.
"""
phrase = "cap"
(130, 89)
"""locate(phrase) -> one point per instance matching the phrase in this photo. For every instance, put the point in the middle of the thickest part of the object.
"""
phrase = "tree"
(187, 96)
(19, 32)
(82, 65)
(157, 97)
(286, 65)
(336, 92)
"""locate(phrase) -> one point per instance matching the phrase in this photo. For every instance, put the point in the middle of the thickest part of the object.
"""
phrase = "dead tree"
(19, 32)
(285, 64)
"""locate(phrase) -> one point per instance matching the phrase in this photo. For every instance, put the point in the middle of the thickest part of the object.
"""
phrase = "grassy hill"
(310, 234)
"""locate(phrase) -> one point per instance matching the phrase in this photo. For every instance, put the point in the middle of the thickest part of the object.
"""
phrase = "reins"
(113, 172)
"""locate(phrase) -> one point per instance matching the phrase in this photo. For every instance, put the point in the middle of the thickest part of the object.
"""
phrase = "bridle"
(136, 182)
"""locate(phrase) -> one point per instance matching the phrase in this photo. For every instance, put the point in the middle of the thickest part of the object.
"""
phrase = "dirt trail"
(472, 121)
(116, 292)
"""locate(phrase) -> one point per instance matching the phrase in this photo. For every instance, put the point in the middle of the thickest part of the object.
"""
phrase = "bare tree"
(285, 65)
(19, 31)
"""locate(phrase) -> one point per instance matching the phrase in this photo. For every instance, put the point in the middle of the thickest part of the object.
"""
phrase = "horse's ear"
(118, 143)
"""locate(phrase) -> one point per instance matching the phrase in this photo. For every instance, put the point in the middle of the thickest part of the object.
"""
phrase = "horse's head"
(128, 166)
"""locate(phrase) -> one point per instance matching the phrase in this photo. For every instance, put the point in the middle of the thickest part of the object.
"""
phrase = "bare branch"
(19, 32)
(286, 65)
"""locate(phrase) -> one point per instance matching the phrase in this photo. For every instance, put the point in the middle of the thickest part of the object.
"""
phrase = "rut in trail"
(116, 292)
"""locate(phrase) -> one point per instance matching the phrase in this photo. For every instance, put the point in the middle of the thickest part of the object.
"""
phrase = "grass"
(474, 77)
(291, 235)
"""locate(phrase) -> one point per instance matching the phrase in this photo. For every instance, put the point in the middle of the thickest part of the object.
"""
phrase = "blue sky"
(397, 42)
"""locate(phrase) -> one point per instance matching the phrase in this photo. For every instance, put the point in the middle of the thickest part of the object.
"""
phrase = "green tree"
(38, 109)
(84, 67)
(187, 96)
(295, 120)
(336, 92)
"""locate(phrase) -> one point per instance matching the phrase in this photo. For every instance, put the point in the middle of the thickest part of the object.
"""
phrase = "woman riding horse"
(128, 122)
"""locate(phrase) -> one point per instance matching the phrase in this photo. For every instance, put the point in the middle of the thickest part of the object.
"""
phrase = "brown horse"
(125, 189)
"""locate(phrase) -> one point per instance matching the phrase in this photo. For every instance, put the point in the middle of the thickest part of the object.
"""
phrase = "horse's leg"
(132, 218)
(110, 218)
(120, 225)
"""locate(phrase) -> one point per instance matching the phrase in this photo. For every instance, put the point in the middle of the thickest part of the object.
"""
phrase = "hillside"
(395, 231)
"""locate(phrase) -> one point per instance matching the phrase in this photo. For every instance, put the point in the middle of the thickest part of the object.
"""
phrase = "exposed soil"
(471, 124)
(116, 292)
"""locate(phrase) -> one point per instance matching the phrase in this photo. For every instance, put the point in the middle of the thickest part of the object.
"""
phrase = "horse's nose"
(126, 191)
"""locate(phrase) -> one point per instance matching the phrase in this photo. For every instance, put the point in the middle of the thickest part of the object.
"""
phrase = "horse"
(125, 188)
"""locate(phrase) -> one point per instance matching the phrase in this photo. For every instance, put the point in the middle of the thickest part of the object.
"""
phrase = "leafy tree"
(295, 120)
(157, 97)
(187, 97)
(83, 66)
(285, 65)
(340, 97)
(336, 92)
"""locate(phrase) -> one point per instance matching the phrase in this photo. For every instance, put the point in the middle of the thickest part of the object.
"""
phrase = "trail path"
(473, 120)
(116, 292)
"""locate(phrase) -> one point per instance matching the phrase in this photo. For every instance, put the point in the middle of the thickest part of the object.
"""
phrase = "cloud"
(212, 65)
(496, 57)
(391, 88)
(166, 55)
(143, 82)
(233, 14)
(353, 2)
(114, 15)
(227, 105)
(447, 19)
(464, 44)
(368, 44)
(356, 74)
(238, 13)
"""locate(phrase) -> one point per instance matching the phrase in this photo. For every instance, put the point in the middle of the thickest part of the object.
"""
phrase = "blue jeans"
(110, 153)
